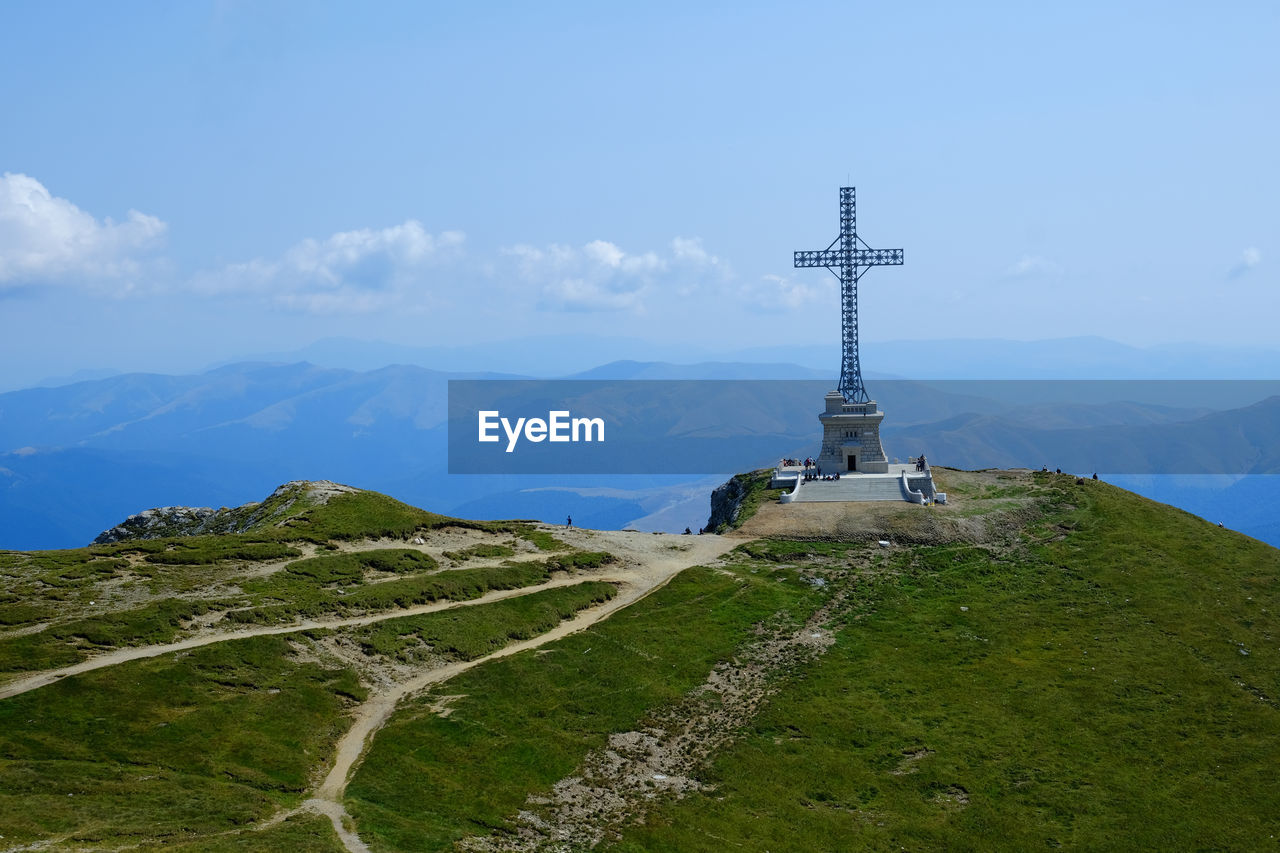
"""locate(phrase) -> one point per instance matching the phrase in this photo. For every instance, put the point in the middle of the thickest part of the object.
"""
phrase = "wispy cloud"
(776, 292)
(372, 269)
(1033, 266)
(601, 276)
(1249, 259)
(357, 271)
(47, 240)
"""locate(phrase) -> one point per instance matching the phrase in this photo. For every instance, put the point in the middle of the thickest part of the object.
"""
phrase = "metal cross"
(852, 262)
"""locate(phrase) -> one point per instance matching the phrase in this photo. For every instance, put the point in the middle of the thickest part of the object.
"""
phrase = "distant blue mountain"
(1245, 440)
(703, 370)
(1055, 358)
(76, 459)
(84, 375)
(1061, 357)
(541, 355)
(594, 511)
(1248, 504)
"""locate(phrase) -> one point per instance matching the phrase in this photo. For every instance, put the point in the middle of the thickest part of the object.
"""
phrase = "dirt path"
(645, 559)
(41, 679)
(374, 713)
(119, 656)
(647, 564)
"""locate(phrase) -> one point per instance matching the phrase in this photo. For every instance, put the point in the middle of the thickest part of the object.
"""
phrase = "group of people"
(816, 473)
(1044, 469)
(813, 471)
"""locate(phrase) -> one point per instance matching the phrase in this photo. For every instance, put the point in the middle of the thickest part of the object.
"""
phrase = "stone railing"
(909, 493)
(790, 496)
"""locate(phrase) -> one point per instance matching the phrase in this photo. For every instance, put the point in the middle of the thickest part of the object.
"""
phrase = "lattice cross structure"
(849, 261)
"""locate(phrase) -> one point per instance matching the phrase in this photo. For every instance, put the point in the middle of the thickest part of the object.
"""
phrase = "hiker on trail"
(568, 522)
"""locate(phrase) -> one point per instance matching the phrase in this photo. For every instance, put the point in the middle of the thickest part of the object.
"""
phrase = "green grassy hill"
(1063, 664)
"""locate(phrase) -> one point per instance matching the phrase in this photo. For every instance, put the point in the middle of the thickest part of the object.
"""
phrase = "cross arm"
(856, 258)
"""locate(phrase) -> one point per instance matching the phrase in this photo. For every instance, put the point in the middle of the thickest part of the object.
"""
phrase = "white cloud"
(776, 292)
(609, 255)
(357, 271)
(1029, 266)
(690, 251)
(1249, 259)
(601, 276)
(45, 239)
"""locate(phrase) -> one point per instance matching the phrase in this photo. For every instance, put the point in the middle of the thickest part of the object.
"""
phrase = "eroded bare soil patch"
(616, 783)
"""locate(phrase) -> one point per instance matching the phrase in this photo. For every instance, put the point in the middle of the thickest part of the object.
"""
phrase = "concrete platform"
(786, 476)
(855, 486)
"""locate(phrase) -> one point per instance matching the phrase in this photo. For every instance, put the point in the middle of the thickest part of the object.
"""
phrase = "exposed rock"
(726, 502)
(160, 522)
(166, 521)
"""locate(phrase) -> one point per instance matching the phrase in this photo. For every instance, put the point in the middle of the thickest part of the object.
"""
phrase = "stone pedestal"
(851, 437)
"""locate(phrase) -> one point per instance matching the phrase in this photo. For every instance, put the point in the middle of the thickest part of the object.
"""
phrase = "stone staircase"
(853, 487)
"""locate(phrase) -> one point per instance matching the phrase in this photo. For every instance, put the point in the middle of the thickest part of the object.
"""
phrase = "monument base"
(851, 437)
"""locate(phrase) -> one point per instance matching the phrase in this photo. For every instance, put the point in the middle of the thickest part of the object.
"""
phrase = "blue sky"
(189, 182)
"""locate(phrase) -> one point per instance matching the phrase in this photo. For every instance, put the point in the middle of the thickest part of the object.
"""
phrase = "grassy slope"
(197, 745)
(524, 722)
(190, 745)
(302, 832)
(1095, 694)
(1092, 696)
(472, 632)
(185, 744)
(60, 588)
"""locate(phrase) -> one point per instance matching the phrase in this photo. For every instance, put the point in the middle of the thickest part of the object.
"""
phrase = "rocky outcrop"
(726, 503)
(161, 522)
(285, 502)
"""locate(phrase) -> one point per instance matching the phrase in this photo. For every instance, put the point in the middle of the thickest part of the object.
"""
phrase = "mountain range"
(569, 354)
(76, 458)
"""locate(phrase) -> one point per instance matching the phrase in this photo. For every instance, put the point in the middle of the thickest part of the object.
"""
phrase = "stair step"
(852, 488)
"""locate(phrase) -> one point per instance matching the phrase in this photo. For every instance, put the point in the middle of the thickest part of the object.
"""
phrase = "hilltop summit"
(282, 504)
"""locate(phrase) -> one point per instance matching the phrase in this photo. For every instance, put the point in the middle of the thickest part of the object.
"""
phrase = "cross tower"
(853, 258)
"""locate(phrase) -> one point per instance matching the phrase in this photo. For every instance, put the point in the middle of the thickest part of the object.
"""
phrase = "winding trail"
(646, 563)
(119, 656)
(639, 581)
